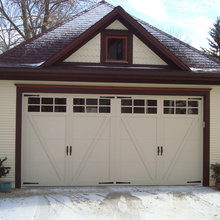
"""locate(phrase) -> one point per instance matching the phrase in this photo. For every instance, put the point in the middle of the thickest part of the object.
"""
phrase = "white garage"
(80, 139)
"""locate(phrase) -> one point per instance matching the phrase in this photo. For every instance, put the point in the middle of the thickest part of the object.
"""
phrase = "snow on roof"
(205, 69)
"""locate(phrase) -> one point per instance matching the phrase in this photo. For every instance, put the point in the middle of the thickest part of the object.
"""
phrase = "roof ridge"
(88, 9)
(180, 41)
(107, 3)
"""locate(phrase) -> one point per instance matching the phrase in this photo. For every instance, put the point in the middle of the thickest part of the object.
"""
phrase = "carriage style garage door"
(70, 140)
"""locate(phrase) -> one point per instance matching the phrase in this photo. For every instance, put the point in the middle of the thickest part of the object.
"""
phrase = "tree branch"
(5, 15)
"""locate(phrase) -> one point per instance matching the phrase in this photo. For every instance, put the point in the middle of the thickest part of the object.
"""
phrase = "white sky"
(189, 20)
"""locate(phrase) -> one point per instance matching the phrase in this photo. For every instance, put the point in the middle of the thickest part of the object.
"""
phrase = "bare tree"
(8, 37)
(22, 19)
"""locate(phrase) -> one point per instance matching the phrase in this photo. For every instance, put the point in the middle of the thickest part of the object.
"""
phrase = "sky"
(188, 20)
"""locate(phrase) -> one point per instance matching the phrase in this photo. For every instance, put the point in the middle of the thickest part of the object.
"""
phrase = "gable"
(116, 25)
(88, 53)
(144, 55)
(91, 51)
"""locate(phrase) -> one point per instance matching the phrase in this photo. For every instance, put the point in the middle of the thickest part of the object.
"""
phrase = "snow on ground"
(115, 203)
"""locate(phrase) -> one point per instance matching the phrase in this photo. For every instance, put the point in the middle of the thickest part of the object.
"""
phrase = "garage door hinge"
(123, 97)
(123, 182)
(29, 183)
(194, 98)
(194, 181)
(107, 97)
(29, 95)
(106, 182)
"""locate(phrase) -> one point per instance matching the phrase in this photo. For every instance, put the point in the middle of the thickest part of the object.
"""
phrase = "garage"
(84, 139)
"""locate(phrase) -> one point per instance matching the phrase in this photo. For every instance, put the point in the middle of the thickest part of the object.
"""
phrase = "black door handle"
(67, 150)
(161, 149)
(158, 151)
(70, 150)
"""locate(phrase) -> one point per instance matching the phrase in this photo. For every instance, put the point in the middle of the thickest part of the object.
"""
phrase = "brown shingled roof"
(44, 47)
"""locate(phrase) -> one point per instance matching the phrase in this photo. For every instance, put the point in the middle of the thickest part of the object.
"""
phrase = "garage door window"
(91, 105)
(46, 104)
(139, 106)
(182, 107)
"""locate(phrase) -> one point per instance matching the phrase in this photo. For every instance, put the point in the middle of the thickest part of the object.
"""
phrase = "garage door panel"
(137, 158)
(181, 151)
(182, 163)
(85, 127)
(143, 128)
(52, 141)
(137, 149)
(188, 175)
(92, 162)
(43, 149)
(82, 150)
(93, 173)
(135, 173)
(175, 128)
(91, 152)
(49, 126)
(39, 167)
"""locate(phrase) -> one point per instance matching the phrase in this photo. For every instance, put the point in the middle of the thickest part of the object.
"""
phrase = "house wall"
(116, 25)
(89, 53)
(7, 125)
(144, 55)
(8, 116)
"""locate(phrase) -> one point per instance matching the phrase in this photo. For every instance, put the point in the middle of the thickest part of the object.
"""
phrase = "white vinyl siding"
(215, 125)
(88, 53)
(144, 55)
(116, 25)
(7, 125)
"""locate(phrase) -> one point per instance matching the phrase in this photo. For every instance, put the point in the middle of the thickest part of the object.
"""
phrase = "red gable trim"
(118, 11)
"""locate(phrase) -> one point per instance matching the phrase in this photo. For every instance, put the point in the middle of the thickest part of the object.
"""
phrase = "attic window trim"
(107, 59)
(119, 34)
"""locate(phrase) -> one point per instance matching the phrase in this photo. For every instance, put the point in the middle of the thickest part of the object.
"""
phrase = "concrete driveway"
(125, 202)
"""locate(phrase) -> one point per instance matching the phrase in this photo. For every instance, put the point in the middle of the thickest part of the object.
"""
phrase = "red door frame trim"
(23, 88)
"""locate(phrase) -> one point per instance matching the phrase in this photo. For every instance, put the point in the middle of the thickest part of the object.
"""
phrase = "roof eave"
(110, 75)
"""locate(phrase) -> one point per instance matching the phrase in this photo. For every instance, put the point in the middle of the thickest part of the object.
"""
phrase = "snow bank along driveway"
(128, 203)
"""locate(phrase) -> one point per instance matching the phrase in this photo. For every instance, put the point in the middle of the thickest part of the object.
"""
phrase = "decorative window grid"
(181, 107)
(139, 106)
(91, 105)
(46, 104)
